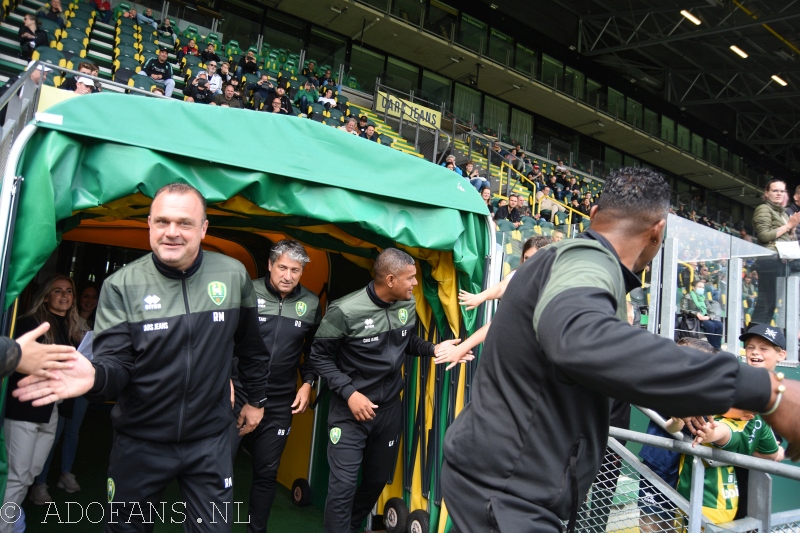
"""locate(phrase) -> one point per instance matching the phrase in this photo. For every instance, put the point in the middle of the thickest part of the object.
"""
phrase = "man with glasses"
(214, 79)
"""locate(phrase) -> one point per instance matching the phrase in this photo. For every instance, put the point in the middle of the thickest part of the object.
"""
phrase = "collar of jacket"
(775, 207)
(631, 280)
(174, 273)
(272, 290)
(374, 297)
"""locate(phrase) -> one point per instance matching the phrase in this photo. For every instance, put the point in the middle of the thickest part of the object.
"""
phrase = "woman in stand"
(30, 431)
(31, 36)
(69, 427)
(771, 224)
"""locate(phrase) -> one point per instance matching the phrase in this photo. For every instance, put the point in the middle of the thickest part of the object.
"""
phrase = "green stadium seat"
(128, 40)
(332, 122)
(77, 32)
(529, 221)
(144, 83)
(150, 47)
(124, 76)
(505, 226)
(163, 40)
(386, 140)
(49, 55)
(53, 29)
(147, 56)
(336, 114)
(232, 48)
(129, 30)
(126, 50)
(120, 9)
(72, 49)
(127, 62)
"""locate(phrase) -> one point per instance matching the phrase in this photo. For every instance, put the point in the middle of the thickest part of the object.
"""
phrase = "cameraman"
(197, 90)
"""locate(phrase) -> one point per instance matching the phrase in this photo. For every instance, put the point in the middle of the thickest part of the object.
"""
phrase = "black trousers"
(140, 470)
(768, 272)
(373, 446)
(266, 445)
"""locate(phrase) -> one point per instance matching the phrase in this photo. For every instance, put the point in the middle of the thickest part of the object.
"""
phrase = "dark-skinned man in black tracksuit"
(359, 349)
(288, 317)
(544, 410)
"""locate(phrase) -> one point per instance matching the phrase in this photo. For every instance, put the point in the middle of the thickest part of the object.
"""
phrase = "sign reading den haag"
(413, 112)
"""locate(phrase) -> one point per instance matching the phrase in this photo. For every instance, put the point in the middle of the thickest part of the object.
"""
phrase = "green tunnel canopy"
(94, 156)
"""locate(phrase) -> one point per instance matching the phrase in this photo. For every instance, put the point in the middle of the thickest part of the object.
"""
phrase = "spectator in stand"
(363, 121)
(261, 91)
(227, 98)
(558, 235)
(189, 50)
(561, 168)
(210, 54)
(543, 200)
(497, 155)
(573, 188)
(306, 96)
(535, 175)
(84, 85)
(327, 99)
(585, 207)
(310, 73)
(473, 175)
(84, 67)
(146, 18)
(794, 207)
(214, 79)
(275, 106)
(280, 92)
(197, 89)
(771, 224)
(104, 9)
(695, 303)
(225, 72)
(515, 161)
(744, 236)
(509, 212)
(452, 159)
(350, 126)
(450, 166)
(159, 69)
(486, 194)
(130, 14)
(55, 13)
(327, 79)
(681, 212)
(31, 36)
(167, 30)
(248, 66)
(370, 134)
(157, 90)
(748, 291)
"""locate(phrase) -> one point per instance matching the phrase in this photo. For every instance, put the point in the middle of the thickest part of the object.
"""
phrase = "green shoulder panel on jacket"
(582, 263)
(303, 306)
(356, 316)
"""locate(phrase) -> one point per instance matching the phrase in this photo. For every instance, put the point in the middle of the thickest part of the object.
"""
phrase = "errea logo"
(460, 187)
(262, 303)
(369, 323)
(151, 302)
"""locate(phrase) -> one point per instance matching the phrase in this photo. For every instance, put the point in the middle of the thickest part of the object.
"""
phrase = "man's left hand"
(249, 418)
(302, 400)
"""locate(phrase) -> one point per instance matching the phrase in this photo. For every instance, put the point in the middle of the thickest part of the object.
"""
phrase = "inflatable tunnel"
(87, 169)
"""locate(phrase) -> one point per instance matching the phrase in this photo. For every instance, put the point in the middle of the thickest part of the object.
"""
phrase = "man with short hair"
(558, 236)
(359, 349)
(197, 90)
(168, 326)
(227, 98)
(160, 70)
(544, 202)
(567, 307)
(84, 67)
(370, 134)
(261, 91)
(83, 85)
(147, 18)
(509, 212)
(214, 79)
(363, 122)
(248, 65)
(306, 96)
(55, 13)
(210, 54)
(289, 315)
(280, 92)
(310, 73)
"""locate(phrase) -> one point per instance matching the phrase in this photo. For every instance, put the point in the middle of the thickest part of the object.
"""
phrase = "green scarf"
(699, 301)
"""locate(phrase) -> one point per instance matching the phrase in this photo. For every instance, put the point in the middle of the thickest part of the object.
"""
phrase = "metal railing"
(567, 209)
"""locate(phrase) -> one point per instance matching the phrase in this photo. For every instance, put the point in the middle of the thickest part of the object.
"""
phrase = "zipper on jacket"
(188, 358)
(275, 336)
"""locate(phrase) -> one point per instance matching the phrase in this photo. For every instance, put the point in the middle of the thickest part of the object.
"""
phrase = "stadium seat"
(128, 40)
(232, 48)
(144, 83)
(129, 30)
(529, 221)
(124, 76)
(128, 63)
(335, 114)
(126, 50)
(72, 49)
(386, 140)
(332, 122)
(78, 25)
(53, 29)
(151, 47)
(49, 55)
(505, 226)
(163, 40)
(120, 9)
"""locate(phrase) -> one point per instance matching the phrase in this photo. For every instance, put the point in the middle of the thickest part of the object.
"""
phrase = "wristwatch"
(259, 404)
(310, 382)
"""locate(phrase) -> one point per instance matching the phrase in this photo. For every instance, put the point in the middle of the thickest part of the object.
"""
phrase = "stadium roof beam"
(752, 98)
(690, 34)
(646, 11)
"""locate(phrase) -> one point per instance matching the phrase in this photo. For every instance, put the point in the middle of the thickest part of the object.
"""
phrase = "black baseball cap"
(163, 49)
(769, 333)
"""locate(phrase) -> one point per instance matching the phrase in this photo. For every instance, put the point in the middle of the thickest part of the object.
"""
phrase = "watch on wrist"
(259, 403)
(310, 382)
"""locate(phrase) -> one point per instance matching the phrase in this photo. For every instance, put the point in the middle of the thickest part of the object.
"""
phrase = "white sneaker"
(39, 495)
(68, 483)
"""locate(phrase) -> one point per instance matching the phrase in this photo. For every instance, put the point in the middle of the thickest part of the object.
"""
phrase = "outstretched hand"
(42, 359)
(66, 383)
(470, 300)
(450, 352)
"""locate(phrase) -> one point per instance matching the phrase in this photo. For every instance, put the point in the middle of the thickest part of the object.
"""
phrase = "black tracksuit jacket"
(369, 339)
(546, 407)
(163, 345)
